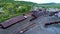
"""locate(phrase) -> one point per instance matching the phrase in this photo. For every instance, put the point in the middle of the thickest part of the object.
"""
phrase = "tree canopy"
(14, 8)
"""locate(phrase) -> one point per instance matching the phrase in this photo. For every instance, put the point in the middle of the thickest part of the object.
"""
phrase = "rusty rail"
(12, 21)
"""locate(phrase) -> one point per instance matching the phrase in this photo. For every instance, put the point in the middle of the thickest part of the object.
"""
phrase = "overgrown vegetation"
(10, 8)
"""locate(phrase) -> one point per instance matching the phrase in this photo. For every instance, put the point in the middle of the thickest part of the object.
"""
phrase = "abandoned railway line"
(23, 23)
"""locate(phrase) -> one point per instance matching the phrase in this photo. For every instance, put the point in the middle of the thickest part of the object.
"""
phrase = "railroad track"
(24, 28)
